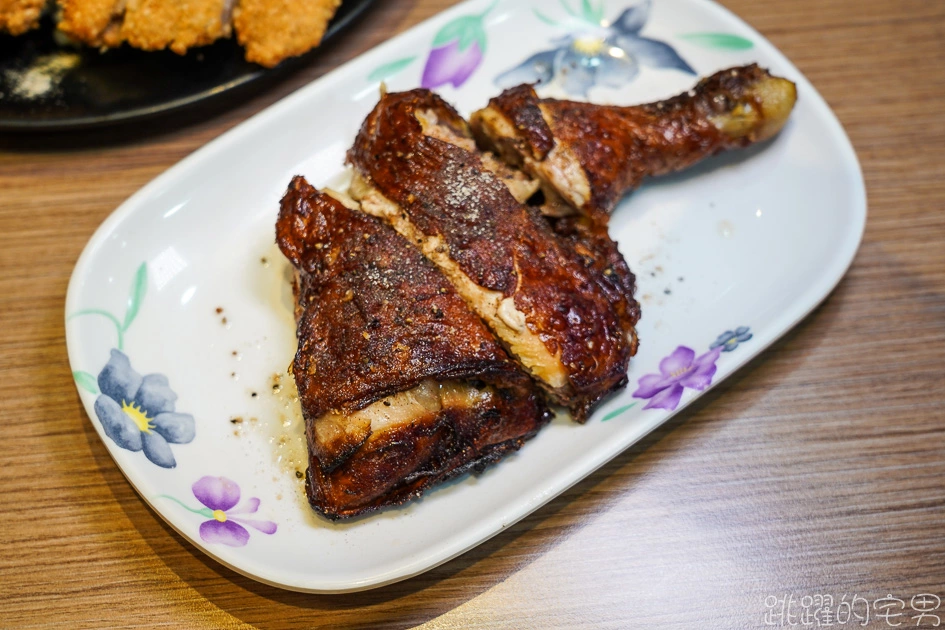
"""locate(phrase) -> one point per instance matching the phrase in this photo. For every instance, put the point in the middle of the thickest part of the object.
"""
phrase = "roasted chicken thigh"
(401, 385)
(416, 167)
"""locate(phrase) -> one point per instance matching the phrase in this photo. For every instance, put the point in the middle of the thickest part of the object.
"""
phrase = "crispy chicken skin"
(591, 245)
(591, 155)
(401, 385)
(19, 16)
(539, 298)
(273, 30)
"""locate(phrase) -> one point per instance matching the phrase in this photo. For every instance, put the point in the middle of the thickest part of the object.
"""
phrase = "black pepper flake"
(298, 474)
(254, 394)
(667, 291)
(219, 310)
(236, 420)
(387, 403)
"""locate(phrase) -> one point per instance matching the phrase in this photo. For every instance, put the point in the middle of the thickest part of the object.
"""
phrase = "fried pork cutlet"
(19, 16)
(178, 24)
(401, 385)
(503, 258)
(273, 30)
(589, 156)
(94, 23)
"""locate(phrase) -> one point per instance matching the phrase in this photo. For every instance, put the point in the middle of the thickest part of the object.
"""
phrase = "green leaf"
(390, 69)
(590, 13)
(546, 20)
(723, 41)
(463, 30)
(205, 512)
(86, 381)
(588, 10)
(107, 315)
(138, 289)
(569, 10)
(453, 30)
(616, 412)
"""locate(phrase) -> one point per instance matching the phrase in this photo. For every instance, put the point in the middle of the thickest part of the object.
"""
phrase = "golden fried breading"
(273, 30)
(19, 16)
(178, 25)
(92, 22)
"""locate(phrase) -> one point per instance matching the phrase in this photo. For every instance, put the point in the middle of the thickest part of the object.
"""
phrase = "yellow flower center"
(220, 515)
(589, 45)
(680, 372)
(138, 416)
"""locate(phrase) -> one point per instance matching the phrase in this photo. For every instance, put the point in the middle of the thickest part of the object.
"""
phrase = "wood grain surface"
(818, 469)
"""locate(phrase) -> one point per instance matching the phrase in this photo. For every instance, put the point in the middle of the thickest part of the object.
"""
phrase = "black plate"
(46, 87)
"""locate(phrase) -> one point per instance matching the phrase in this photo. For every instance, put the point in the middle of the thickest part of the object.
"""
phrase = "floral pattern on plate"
(137, 412)
(682, 370)
(456, 53)
(225, 521)
(596, 52)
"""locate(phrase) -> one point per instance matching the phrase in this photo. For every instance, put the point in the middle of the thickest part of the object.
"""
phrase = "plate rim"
(494, 523)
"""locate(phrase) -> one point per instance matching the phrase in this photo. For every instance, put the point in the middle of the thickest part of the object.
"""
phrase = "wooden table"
(817, 470)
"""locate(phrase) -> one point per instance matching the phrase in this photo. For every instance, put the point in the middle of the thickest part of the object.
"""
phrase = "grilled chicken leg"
(590, 155)
(415, 168)
(401, 385)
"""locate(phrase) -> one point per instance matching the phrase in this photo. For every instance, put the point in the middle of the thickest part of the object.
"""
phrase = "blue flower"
(608, 54)
(729, 340)
(137, 412)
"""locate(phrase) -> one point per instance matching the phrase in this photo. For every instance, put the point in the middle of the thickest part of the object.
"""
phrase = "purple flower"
(678, 371)
(729, 340)
(137, 412)
(449, 64)
(458, 49)
(221, 495)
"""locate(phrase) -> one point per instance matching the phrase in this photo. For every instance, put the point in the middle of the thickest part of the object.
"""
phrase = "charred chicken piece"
(401, 385)
(591, 245)
(415, 168)
(591, 155)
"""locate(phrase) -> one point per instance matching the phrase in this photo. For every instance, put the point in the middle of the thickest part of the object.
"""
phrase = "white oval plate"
(185, 280)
